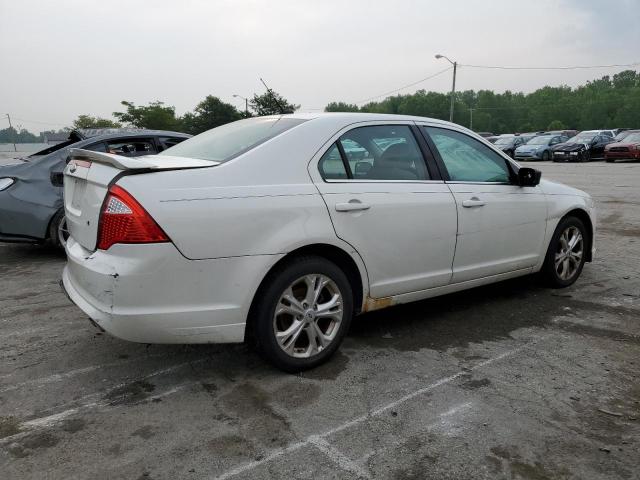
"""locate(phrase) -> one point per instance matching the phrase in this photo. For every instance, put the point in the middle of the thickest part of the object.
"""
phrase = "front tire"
(566, 254)
(545, 156)
(302, 313)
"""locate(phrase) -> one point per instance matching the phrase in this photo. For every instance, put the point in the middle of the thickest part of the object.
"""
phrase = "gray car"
(31, 207)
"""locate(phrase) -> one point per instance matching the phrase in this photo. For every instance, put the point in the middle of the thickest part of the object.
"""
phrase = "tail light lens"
(124, 220)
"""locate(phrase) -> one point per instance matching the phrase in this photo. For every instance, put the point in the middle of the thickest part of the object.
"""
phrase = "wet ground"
(506, 381)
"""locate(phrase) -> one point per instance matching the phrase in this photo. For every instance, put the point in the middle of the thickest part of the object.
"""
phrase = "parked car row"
(570, 145)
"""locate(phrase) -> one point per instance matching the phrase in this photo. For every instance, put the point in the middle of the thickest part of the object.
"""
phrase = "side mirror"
(57, 179)
(529, 177)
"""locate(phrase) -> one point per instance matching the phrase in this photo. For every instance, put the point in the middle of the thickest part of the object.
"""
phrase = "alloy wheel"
(568, 257)
(63, 232)
(308, 315)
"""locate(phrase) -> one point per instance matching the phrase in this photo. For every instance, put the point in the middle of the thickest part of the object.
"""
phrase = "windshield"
(582, 138)
(632, 138)
(504, 141)
(539, 141)
(228, 141)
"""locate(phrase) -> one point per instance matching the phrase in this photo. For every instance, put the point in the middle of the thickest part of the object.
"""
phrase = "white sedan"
(278, 230)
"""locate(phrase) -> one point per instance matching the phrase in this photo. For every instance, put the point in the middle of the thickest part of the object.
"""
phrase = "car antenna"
(275, 99)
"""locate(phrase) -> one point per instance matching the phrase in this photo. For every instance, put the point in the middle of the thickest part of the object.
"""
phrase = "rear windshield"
(228, 141)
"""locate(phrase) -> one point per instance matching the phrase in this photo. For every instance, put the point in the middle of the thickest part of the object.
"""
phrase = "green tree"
(156, 116)
(341, 107)
(271, 103)
(87, 121)
(209, 113)
(556, 125)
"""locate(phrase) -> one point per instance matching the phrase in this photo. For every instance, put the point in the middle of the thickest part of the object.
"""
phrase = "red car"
(627, 149)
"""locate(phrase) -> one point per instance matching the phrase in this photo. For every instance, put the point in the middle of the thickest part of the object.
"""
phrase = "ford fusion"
(278, 230)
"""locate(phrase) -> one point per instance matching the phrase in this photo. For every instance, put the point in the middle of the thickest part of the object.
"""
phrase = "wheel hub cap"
(308, 316)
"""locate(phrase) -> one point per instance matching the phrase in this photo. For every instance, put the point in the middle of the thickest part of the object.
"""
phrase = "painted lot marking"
(319, 440)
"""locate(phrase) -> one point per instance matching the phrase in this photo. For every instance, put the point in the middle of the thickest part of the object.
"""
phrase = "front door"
(501, 226)
(384, 202)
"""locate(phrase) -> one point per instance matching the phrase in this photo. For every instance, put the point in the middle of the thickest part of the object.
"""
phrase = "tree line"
(608, 102)
(209, 113)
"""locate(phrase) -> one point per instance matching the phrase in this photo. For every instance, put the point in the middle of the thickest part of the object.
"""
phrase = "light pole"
(12, 134)
(246, 103)
(453, 88)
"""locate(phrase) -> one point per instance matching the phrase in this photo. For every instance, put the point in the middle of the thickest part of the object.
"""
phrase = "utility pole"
(246, 104)
(453, 88)
(12, 134)
(470, 118)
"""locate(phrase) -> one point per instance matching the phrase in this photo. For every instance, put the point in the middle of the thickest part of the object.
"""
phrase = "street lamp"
(246, 103)
(453, 88)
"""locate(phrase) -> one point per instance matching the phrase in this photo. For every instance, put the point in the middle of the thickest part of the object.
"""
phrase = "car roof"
(354, 117)
(138, 133)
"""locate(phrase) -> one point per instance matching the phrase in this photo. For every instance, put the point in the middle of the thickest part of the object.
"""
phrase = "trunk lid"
(87, 179)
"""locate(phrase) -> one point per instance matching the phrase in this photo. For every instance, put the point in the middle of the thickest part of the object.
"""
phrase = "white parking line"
(338, 457)
(315, 439)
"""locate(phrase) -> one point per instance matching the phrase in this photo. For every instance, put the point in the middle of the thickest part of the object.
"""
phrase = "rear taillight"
(123, 220)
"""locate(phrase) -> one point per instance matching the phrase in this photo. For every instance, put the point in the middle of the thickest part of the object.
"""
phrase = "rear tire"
(301, 313)
(58, 232)
(566, 254)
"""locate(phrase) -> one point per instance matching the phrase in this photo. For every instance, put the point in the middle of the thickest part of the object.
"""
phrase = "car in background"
(584, 147)
(264, 230)
(627, 149)
(486, 134)
(31, 206)
(539, 148)
(509, 143)
(623, 134)
(565, 133)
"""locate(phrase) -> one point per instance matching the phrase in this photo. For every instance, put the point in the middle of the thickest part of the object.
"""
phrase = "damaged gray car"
(31, 207)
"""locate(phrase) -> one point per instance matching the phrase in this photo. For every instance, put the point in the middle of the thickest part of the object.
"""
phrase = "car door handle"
(473, 202)
(352, 206)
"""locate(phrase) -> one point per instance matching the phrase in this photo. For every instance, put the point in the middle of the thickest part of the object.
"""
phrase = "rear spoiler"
(147, 162)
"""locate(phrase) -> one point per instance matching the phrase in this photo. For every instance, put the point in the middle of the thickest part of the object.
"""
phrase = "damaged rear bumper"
(152, 294)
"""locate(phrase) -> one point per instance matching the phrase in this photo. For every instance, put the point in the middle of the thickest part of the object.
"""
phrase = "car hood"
(554, 188)
(529, 148)
(570, 147)
(623, 144)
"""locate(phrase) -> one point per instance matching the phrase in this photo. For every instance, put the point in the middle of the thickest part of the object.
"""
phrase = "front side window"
(468, 160)
(383, 152)
(228, 141)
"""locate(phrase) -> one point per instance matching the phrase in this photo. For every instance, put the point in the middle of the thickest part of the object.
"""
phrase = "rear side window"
(331, 165)
(223, 143)
(381, 152)
(131, 147)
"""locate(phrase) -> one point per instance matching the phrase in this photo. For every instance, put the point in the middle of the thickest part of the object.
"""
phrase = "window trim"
(513, 168)
(425, 153)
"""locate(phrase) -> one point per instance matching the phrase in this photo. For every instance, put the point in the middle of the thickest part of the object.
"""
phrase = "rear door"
(501, 226)
(389, 205)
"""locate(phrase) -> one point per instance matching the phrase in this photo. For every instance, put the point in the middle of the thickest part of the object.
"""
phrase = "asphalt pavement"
(511, 380)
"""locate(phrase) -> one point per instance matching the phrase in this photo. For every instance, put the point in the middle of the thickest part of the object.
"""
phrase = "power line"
(573, 67)
(405, 86)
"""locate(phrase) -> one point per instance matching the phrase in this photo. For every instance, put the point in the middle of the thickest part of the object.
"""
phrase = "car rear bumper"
(152, 294)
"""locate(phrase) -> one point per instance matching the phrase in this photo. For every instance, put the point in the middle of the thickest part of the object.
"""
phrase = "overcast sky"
(59, 59)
